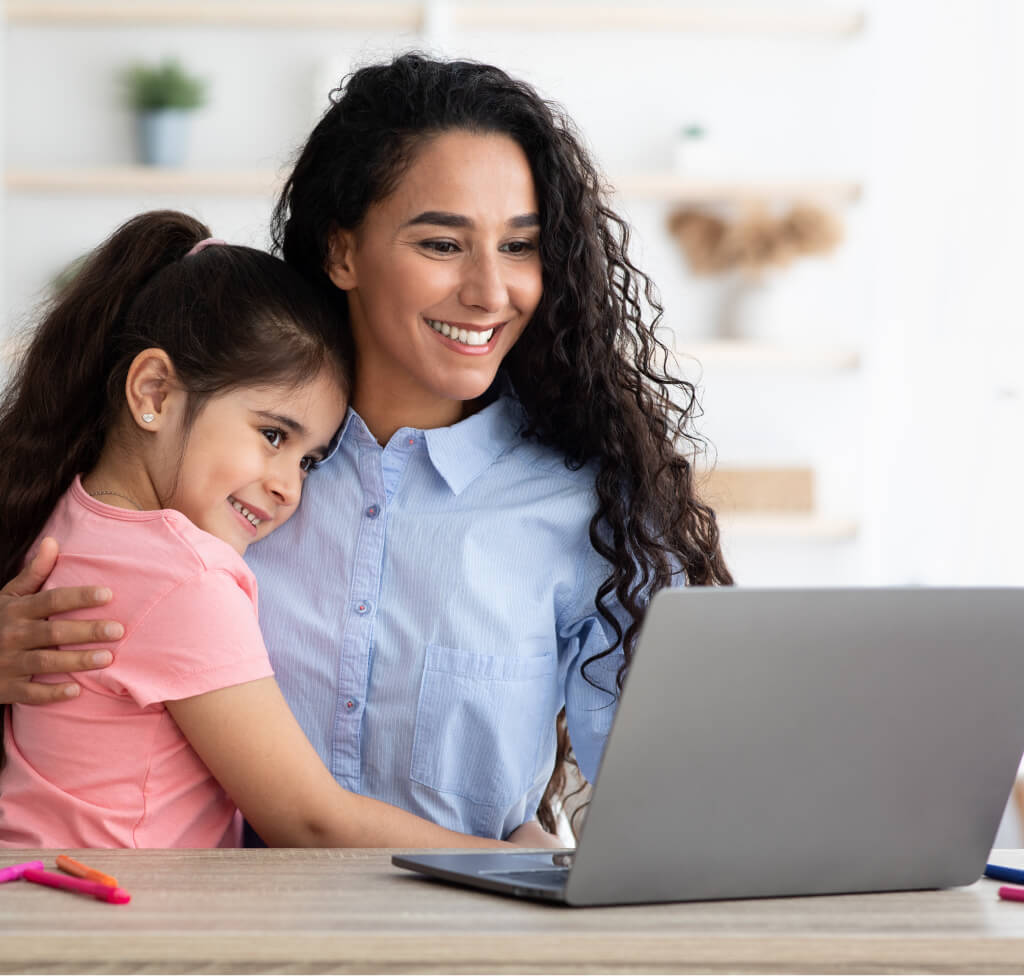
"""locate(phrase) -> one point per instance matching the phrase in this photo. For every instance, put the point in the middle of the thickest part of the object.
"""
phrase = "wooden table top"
(351, 911)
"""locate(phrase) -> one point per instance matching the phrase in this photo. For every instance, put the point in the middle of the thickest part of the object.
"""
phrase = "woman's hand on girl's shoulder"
(29, 640)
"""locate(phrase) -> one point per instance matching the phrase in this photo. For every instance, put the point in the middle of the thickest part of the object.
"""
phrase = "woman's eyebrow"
(444, 218)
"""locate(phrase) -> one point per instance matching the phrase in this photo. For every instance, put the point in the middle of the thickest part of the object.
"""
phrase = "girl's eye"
(274, 436)
(441, 247)
(309, 463)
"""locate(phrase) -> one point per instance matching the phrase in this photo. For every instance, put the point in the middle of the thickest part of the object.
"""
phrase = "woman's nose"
(484, 285)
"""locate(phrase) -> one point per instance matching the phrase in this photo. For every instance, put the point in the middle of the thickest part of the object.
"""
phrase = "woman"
(507, 488)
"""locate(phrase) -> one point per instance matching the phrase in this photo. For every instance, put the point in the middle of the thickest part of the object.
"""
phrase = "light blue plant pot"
(163, 136)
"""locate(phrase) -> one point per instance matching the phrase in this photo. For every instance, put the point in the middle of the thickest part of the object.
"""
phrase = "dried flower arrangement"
(754, 241)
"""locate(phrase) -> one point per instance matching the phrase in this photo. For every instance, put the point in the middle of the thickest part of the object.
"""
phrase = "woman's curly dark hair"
(590, 370)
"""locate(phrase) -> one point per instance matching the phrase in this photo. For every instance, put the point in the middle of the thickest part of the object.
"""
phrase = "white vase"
(748, 309)
(163, 136)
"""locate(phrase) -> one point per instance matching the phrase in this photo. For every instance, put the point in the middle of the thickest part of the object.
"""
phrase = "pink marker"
(101, 891)
(16, 871)
(1009, 893)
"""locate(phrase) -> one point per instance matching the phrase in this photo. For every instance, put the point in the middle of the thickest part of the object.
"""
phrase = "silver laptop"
(793, 742)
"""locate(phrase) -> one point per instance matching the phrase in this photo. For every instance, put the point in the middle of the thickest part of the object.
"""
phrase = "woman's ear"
(340, 265)
(151, 389)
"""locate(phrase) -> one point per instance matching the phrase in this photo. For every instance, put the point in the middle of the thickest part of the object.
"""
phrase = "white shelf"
(770, 526)
(682, 188)
(149, 179)
(741, 354)
(115, 179)
(801, 19)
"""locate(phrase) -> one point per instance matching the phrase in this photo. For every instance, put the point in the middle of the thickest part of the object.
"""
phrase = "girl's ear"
(340, 266)
(151, 389)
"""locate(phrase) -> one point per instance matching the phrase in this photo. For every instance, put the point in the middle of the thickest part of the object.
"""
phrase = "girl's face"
(248, 454)
(443, 275)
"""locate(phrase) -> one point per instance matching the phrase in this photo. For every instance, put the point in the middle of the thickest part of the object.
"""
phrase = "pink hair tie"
(206, 242)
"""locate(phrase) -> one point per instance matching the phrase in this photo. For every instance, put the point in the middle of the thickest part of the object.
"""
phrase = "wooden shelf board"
(704, 18)
(682, 188)
(131, 179)
(802, 19)
(328, 13)
(743, 354)
(771, 526)
(659, 186)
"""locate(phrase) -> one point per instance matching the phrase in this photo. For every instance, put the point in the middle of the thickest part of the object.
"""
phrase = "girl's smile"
(248, 453)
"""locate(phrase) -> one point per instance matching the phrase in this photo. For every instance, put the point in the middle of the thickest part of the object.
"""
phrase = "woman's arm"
(249, 739)
(28, 640)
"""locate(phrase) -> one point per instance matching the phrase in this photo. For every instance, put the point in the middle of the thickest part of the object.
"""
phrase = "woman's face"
(442, 276)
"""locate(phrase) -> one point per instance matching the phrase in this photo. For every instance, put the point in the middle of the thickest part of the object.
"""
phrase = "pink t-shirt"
(110, 768)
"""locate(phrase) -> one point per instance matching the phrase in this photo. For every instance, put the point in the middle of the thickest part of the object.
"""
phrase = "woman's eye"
(519, 247)
(441, 247)
(274, 436)
(309, 463)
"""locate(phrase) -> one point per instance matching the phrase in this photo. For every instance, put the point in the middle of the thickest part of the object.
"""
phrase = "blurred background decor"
(164, 96)
(751, 251)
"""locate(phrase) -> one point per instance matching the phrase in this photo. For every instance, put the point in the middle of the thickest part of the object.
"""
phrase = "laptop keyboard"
(540, 878)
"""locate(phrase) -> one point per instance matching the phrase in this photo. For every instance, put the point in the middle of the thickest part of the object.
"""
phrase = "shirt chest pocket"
(480, 721)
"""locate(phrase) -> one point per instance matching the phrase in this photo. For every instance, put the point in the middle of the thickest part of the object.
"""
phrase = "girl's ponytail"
(56, 411)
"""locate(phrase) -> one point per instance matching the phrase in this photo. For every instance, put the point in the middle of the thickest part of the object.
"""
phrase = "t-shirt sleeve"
(200, 636)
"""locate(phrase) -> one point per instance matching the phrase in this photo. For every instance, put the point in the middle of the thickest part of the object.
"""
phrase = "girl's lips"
(462, 347)
(252, 529)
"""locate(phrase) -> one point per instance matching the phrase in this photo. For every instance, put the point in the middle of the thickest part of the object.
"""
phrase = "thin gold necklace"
(116, 494)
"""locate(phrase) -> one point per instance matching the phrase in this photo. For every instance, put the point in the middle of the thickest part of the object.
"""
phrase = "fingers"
(50, 661)
(30, 635)
(34, 574)
(37, 693)
(60, 600)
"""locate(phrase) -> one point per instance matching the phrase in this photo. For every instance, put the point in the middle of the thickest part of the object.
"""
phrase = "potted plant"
(163, 97)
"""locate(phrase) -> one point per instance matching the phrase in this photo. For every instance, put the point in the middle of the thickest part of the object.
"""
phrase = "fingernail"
(102, 594)
(113, 631)
(71, 691)
(101, 657)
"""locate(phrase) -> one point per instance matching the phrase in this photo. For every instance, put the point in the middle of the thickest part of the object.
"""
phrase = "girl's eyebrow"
(444, 218)
(284, 421)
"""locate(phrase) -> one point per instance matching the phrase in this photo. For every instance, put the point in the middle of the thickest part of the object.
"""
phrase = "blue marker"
(999, 873)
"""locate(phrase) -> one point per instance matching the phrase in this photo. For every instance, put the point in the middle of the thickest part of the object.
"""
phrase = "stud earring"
(148, 418)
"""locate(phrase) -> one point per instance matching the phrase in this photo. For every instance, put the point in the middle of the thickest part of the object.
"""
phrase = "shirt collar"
(462, 452)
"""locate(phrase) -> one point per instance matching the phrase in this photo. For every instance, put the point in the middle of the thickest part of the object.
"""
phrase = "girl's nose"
(286, 485)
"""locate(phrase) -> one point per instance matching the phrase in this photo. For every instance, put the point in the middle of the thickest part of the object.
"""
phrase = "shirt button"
(363, 606)
(350, 704)
(372, 512)
(412, 440)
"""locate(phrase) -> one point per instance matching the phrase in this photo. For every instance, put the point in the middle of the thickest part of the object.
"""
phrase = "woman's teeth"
(468, 337)
(239, 507)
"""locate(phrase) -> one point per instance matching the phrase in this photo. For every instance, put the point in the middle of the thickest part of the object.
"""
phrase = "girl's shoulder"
(160, 546)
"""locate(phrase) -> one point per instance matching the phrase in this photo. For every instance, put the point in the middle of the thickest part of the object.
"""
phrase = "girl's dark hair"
(589, 370)
(227, 316)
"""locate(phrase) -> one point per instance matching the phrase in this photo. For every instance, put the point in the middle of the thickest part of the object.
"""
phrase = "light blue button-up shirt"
(427, 610)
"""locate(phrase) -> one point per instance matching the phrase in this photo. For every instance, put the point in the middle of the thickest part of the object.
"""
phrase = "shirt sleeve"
(590, 704)
(201, 636)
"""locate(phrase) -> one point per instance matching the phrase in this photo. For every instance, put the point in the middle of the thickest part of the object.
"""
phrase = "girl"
(165, 416)
(513, 480)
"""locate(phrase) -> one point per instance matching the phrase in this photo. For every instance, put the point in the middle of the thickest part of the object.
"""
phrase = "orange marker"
(70, 866)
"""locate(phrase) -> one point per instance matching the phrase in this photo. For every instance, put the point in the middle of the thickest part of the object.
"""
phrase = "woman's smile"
(471, 340)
